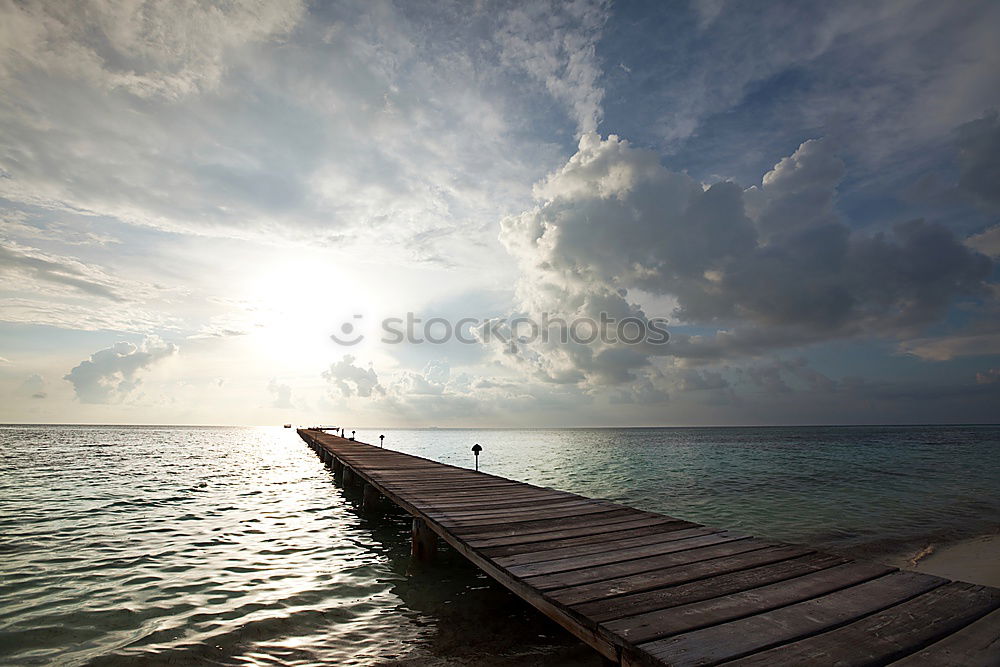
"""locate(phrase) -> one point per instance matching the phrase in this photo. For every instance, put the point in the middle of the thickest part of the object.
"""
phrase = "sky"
(216, 214)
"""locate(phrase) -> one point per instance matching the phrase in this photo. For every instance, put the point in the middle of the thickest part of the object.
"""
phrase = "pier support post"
(424, 541)
(338, 467)
(370, 498)
(350, 478)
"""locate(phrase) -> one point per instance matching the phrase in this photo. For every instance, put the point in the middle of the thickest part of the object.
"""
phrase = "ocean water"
(172, 545)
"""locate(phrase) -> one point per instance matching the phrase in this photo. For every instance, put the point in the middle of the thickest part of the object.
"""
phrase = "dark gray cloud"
(783, 376)
(979, 158)
(112, 374)
(702, 380)
(773, 266)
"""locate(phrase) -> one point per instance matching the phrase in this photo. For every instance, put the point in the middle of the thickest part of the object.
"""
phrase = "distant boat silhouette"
(288, 425)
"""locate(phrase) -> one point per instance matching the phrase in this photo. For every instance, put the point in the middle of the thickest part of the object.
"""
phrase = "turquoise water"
(234, 546)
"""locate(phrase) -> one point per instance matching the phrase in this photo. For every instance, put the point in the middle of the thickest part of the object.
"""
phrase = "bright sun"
(295, 304)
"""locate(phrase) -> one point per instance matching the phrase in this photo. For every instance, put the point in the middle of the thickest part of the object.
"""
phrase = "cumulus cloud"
(772, 266)
(112, 374)
(281, 395)
(34, 386)
(350, 379)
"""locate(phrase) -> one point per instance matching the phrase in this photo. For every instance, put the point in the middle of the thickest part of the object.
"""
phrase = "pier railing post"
(424, 541)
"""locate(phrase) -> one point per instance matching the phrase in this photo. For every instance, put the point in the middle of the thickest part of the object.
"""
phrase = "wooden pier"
(647, 589)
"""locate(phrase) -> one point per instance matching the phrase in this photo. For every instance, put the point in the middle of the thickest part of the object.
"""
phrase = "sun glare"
(295, 304)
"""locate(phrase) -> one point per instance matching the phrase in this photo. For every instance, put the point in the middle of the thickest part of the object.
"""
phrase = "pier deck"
(647, 589)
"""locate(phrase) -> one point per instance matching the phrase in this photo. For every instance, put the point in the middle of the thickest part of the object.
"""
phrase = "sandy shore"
(976, 560)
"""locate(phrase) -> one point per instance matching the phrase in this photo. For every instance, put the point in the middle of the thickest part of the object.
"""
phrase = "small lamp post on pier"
(381, 441)
(352, 434)
(475, 450)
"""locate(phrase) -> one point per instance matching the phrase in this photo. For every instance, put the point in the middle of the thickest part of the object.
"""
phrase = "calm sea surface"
(234, 546)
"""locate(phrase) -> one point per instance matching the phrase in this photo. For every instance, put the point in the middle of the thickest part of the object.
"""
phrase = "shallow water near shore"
(235, 546)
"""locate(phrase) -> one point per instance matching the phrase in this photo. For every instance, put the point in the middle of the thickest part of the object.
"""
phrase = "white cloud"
(246, 130)
(987, 242)
(555, 43)
(112, 374)
(39, 272)
(281, 395)
(352, 380)
(34, 386)
(80, 315)
(150, 49)
(950, 347)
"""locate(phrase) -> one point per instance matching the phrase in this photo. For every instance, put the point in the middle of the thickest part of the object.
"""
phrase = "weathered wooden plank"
(496, 504)
(894, 633)
(596, 540)
(474, 532)
(444, 497)
(607, 544)
(680, 568)
(556, 509)
(528, 523)
(592, 561)
(609, 609)
(597, 527)
(675, 620)
(547, 582)
(976, 645)
(739, 638)
(454, 486)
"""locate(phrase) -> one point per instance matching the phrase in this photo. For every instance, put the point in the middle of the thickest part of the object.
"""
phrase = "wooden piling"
(370, 498)
(424, 544)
